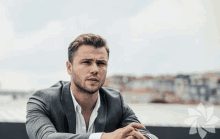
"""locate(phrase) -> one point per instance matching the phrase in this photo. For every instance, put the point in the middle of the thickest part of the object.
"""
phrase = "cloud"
(6, 33)
(15, 81)
(211, 28)
(24, 81)
(28, 40)
(12, 41)
(185, 16)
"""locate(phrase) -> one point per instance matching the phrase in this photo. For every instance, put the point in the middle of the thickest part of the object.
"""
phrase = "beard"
(84, 89)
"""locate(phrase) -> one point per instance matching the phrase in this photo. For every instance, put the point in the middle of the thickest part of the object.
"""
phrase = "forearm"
(48, 134)
(68, 136)
(40, 128)
(129, 117)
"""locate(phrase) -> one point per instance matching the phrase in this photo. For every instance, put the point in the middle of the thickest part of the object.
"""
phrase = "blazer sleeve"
(39, 125)
(128, 117)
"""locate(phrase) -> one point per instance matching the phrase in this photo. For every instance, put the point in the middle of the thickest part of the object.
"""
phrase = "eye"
(100, 63)
(86, 62)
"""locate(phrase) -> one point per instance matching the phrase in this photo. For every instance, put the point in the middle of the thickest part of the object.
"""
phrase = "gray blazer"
(51, 114)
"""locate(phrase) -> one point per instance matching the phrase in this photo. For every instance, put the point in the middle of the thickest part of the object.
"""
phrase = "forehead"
(86, 51)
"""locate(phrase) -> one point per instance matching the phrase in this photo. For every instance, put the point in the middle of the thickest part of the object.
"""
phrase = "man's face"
(89, 68)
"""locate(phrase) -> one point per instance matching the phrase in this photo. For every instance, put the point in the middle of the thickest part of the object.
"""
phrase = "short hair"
(86, 39)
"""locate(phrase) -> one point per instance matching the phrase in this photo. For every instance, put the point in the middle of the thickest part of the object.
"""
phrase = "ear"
(69, 67)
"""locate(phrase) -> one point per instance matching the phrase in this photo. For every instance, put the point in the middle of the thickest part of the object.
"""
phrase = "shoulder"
(112, 96)
(51, 93)
(110, 92)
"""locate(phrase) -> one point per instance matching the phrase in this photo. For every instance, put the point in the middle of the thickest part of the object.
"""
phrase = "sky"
(150, 37)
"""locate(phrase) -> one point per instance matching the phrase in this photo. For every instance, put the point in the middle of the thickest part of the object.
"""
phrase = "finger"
(127, 130)
(131, 137)
(136, 134)
(137, 125)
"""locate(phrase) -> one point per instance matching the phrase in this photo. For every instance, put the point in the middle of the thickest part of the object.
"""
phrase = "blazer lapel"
(102, 113)
(68, 107)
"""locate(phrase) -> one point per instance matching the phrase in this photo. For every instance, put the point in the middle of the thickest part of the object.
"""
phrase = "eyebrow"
(105, 61)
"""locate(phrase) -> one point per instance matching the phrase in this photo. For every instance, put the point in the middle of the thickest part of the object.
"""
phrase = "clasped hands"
(128, 132)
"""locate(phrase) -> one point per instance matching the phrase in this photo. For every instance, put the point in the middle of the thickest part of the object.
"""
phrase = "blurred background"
(164, 56)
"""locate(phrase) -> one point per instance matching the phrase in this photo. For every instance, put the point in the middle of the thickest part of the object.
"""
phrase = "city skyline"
(145, 37)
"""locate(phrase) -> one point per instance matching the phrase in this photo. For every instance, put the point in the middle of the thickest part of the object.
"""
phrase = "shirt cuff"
(96, 135)
(151, 136)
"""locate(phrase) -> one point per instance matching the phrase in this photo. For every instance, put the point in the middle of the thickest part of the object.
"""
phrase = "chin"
(92, 90)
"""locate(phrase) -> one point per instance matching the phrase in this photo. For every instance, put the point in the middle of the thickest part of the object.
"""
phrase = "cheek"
(80, 73)
(103, 71)
(80, 70)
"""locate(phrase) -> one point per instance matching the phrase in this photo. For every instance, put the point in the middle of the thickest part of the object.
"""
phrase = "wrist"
(104, 135)
(147, 137)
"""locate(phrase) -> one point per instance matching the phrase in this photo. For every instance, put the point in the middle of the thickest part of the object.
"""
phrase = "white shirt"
(80, 121)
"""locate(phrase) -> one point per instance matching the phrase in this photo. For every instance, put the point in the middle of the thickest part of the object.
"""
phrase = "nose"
(94, 69)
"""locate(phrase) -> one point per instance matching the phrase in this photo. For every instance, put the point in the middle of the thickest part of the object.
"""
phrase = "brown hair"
(86, 39)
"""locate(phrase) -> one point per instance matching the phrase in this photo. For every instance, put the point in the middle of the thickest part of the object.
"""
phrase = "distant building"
(218, 91)
(144, 82)
(196, 79)
(14, 93)
(212, 79)
(188, 89)
(182, 86)
(199, 88)
(164, 83)
(119, 82)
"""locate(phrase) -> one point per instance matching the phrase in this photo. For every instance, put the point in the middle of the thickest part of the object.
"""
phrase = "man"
(82, 108)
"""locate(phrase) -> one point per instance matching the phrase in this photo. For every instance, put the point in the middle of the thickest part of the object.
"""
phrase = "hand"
(128, 132)
(133, 137)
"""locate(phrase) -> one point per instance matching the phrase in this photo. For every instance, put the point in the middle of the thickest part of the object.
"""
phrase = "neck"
(85, 100)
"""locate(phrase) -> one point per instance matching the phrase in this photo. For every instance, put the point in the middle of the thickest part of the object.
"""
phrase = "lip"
(93, 79)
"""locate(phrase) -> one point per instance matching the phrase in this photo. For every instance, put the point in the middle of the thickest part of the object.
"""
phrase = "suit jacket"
(51, 114)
